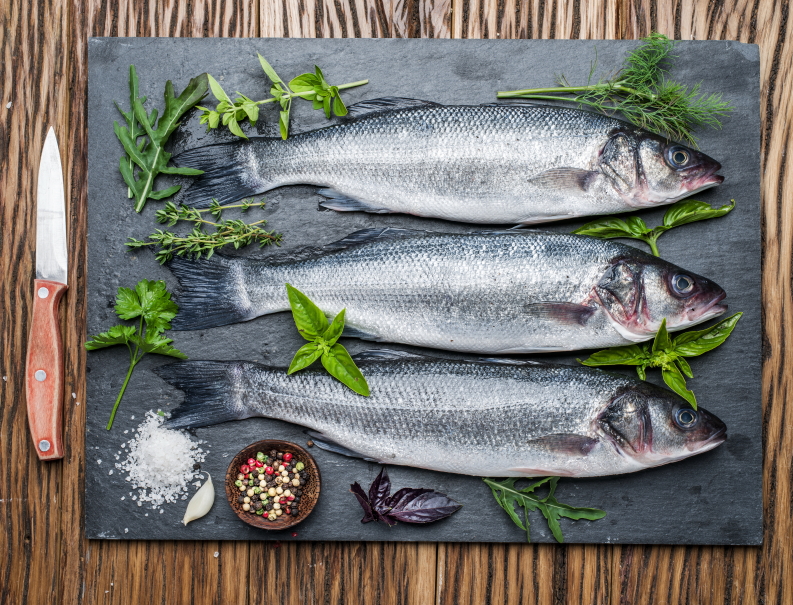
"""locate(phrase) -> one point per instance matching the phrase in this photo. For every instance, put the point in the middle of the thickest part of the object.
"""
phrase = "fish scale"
(470, 417)
(496, 164)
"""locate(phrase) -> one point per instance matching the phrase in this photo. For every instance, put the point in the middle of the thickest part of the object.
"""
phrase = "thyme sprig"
(201, 242)
(642, 93)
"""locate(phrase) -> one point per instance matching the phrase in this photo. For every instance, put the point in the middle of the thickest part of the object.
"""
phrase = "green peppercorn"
(260, 511)
(300, 466)
(238, 483)
(250, 482)
(260, 456)
(257, 490)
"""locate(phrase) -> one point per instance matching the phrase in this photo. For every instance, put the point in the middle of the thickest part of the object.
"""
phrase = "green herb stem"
(308, 93)
(133, 361)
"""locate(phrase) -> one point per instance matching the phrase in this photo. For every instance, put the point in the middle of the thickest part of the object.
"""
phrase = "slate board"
(714, 498)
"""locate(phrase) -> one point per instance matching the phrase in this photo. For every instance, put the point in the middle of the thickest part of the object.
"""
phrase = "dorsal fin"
(389, 355)
(372, 106)
(364, 236)
(508, 362)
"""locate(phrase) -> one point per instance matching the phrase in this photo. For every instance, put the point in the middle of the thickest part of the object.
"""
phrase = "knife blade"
(44, 371)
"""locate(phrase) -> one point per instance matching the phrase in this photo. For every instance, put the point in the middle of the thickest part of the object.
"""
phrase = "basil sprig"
(681, 213)
(313, 326)
(668, 354)
(508, 495)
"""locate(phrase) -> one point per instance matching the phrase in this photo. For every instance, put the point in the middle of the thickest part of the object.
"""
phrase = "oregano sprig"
(668, 353)
(309, 86)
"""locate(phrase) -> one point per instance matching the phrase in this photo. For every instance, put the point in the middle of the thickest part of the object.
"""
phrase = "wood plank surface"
(46, 559)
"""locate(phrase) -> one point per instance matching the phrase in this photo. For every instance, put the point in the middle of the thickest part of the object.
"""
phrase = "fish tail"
(212, 292)
(227, 177)
(212, 392)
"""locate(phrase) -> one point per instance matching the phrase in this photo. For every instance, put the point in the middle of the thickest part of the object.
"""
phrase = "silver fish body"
(488, 292)
(493, 164)
(469, 417)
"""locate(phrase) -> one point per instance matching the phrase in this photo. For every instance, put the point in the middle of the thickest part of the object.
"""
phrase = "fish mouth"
(715, 440)
(706, 180)
(714, 308)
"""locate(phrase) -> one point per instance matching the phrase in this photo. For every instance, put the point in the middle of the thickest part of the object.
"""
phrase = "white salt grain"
(160, 462)
(217, 554)
(126, 530)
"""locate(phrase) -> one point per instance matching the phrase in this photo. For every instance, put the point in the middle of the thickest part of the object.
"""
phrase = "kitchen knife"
(44, 373)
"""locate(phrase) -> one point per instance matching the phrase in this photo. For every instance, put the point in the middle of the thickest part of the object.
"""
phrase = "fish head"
(639, 293)
(648, 170)
(654, 426)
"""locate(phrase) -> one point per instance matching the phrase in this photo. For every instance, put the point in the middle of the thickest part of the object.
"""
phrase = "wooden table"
(44, 557)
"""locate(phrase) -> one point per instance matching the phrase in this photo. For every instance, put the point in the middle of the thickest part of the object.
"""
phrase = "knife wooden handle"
(44, 373)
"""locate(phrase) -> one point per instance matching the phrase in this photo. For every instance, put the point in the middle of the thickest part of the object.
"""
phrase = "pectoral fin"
(324, 443)
(564, 313)
(566, 443)
(342, 203)
(568, 180)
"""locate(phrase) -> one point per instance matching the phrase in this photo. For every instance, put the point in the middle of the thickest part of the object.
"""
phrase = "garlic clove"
(201, 502)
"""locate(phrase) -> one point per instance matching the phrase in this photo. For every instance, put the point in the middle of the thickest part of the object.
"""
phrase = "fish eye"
(682, 284)
(678, 157)
(686, 418)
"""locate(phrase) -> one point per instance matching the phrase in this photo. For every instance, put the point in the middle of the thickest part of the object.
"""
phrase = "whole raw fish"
(487, 292)
(485, 418)
(495, 164)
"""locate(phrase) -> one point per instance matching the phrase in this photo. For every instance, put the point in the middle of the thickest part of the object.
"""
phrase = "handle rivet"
(44, 445)
(40, 375)
(43, 292)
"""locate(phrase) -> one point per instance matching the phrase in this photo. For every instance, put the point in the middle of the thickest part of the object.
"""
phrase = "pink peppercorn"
(259, 464)
(245, 469)
(251, 461)
(268, 470)
(287, 457)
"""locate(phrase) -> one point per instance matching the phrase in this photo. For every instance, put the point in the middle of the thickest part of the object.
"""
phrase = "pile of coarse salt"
(159, 462)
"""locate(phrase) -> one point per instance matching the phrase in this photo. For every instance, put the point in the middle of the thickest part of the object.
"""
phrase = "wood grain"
(46, 559)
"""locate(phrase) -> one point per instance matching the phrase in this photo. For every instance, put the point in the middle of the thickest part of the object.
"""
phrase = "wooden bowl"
(310, 489)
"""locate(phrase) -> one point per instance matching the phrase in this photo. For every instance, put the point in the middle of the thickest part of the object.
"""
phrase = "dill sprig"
(201, 242)
(642, 93)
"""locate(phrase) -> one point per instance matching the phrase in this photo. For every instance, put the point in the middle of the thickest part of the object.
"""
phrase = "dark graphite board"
(714, 498)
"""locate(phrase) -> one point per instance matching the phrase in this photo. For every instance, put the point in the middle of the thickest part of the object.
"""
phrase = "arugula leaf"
(151, 302)
(633, 227)
(668, 354)
(313, 326)
(149, 157)
(508, 496)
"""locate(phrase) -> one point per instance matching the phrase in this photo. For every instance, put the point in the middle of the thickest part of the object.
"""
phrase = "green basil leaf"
(691, 211)
(321, 77)
(310, 321)
(630, 355)
(234, 127)
(305, 356)
(268, 69)
(326, 106)
(642, 372)
(214, 119)
(340, 365)
(283, 124)
(303, 82)
(608, 228)
(697, 342)
(316, 103)
(339, 108)
(684, 367)
(675, 381)
(217, 90)
(661, 342)
(335, 329)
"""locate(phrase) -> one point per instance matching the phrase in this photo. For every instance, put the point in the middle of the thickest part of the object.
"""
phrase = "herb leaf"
(641, 92)
(508, 496)
(339, 364)
(668, 354)
(409, 505)
(632, 227)
(151, 302)
(313, 326)
(149, 157)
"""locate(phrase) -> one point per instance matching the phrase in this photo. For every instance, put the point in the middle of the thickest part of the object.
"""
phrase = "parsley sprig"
(311, 87)
(508, 495)
(641, 92)
(313, 326)
(632, 227)
(668, 353)
(200, 241)
(151, 302)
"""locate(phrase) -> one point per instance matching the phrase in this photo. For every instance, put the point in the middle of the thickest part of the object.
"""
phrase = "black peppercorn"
(241, 499)
(269, 506)
(280, 456)
(294, 512)
(258, 506)
(196, 466)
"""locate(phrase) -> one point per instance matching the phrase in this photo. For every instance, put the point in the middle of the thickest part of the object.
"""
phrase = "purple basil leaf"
(358, 492)
(406, 494)
(421, 506)
(379, 490)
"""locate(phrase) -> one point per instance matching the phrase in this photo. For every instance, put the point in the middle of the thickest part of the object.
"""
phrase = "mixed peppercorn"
(271, 485)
